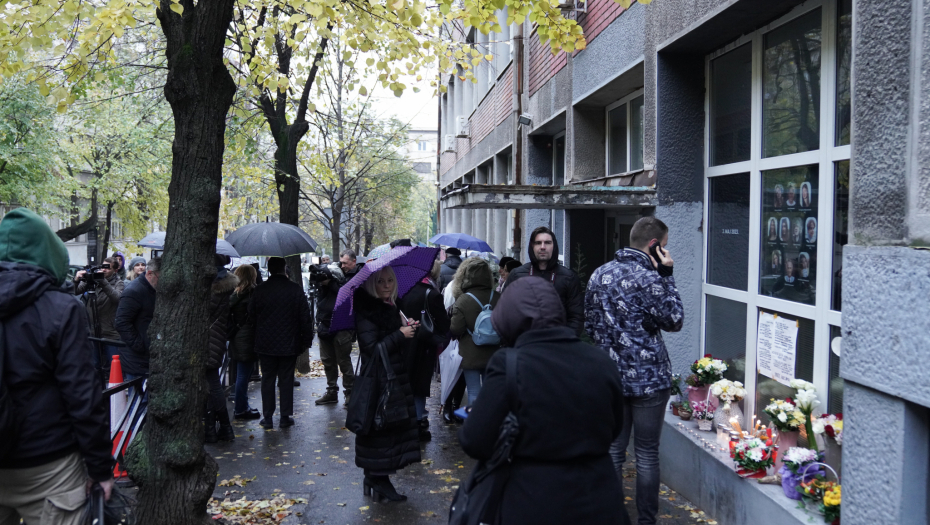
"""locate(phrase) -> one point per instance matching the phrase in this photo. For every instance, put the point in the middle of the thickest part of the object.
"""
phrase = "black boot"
(425, 434)
(380, 488)
(209, 427)
(226, 432)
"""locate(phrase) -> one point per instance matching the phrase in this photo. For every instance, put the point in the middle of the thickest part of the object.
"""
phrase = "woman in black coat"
(425, 296)
(569, 412)
(378, 325)
(242, 340)
(223, 285)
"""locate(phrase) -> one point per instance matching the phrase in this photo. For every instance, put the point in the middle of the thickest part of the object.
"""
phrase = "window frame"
(626, 100)
(825, 158)
(555, 138)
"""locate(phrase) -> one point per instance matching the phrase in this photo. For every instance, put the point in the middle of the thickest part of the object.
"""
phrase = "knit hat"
(453, 251)
(134, 261)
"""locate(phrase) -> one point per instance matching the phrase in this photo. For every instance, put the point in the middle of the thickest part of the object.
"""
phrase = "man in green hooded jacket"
(60, 442)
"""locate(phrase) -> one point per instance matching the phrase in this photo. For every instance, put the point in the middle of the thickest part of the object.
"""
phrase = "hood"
(472, 273)
(20, 286)
(555, 252)
(226, 285)
(26, 238)
(453, 261)
(528, 304)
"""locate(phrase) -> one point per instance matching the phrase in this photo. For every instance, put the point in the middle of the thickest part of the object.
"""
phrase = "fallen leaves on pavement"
(236, 481)
(252, 512)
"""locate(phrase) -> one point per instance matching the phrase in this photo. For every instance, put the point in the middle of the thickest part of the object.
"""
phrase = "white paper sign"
(776, 347)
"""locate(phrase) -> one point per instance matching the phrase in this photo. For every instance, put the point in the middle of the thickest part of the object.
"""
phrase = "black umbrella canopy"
(271, 239)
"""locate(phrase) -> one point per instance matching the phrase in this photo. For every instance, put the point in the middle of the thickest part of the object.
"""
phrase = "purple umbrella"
(410, 264)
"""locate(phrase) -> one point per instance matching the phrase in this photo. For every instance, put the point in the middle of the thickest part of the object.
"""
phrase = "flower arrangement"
(831, 425)
(728, 391)
(797, 457)
(753, 454)
(702, 411)
(806, 401)
(785, 415)
(676, 385)
(707, 370)
(826, 495)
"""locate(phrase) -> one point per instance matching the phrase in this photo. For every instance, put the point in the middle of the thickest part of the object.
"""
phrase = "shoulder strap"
(476, 299)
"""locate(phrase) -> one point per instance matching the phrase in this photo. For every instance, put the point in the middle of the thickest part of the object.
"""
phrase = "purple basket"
(790, 480)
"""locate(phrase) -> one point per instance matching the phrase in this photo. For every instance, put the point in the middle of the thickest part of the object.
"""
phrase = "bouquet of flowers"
(831, 425)
(702, 411)
(707, 370)
(797, 457)
(806, 401)
(676, 385)
(785, 415)
(728, 391)
(826, 495)
(753, 454)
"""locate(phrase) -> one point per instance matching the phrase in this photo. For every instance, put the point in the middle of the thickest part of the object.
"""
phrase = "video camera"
(94, 274)
(324, 272)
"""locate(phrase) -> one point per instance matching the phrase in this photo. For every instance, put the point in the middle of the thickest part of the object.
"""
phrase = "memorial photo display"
(789, 234)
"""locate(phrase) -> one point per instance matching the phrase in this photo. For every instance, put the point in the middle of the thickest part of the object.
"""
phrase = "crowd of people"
(577, 403)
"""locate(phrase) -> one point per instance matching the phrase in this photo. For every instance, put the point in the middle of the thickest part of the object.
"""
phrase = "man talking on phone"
(628, 303)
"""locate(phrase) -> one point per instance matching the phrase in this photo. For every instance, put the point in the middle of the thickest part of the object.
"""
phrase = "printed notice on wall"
(776, 347)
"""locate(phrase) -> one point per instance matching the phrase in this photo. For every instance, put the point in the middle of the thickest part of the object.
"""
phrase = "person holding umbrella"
(381, 452)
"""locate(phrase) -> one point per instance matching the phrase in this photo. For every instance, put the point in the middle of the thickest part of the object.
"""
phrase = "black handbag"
(426, 318)
(359, 412)
(392, 403)
(477, 502)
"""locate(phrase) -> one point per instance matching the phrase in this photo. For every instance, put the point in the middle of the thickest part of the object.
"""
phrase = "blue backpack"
(484, 333)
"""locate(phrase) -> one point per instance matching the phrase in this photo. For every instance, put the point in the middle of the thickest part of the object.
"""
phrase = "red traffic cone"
(117, 407)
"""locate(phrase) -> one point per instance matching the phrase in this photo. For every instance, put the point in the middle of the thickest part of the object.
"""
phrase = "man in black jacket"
(133, 317)
(543, 251)
(283, 329)
(62, 436)
(447, 272)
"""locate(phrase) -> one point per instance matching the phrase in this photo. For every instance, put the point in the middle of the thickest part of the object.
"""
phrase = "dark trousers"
(280, 367)
(336, 355)
(215, 399)
(644, 417)
(243, 373)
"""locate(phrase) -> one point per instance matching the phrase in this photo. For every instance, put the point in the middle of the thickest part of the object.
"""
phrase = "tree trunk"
(175, 476)
(102, 247)
(76, 228)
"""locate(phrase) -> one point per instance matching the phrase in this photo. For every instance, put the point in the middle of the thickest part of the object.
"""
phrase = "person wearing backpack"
(475, 292)
(54, 427)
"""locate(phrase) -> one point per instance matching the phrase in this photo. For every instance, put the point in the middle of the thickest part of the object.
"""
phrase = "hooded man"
(447, 272)
(543, 251)
(61, 436)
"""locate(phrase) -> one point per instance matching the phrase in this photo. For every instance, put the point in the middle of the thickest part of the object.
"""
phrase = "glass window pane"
(767, 388)
(835, 395)
(791, 87)
(616, 150)
(789, 234)
(843, 69)
(728, 231)
(731, 106)
(558, 162)
(636, 133)
(841, 225)
(725, 335)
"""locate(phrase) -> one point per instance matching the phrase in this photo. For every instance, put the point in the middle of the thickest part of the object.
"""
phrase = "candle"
(736, 427)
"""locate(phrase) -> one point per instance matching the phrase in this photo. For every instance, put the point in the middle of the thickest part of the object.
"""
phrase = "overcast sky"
(418, 109)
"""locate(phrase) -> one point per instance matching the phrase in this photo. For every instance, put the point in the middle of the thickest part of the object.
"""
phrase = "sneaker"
(266, 423)
(331, 397)
(286, 421)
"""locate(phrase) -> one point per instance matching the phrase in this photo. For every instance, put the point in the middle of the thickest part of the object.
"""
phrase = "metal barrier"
(125, 427)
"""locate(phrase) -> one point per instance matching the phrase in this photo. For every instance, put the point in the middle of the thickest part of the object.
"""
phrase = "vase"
(685, 416)
(833, 455)
(700, 393)
(723, 415)
(754, 474)
(675, 409)
(785, 440)
(705, 424)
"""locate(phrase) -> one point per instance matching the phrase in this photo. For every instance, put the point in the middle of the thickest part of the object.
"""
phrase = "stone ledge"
(708, 480)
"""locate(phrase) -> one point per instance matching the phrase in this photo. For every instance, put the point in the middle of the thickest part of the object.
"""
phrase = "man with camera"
(101, 289)
(335, 348)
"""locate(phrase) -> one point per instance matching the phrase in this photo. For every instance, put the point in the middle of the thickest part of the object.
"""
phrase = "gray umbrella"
(271, 239)
(156, 241)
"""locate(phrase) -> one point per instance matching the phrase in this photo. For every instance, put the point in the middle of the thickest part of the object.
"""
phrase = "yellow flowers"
(832, 497)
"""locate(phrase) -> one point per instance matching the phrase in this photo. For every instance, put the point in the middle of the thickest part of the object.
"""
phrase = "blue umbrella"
(156, 241)
(461, 240)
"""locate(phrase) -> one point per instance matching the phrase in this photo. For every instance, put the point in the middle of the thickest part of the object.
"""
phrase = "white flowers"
(799, 456)
(728, 391)
(800, 384)
(755, 454)
(783, 417)
(807, 400)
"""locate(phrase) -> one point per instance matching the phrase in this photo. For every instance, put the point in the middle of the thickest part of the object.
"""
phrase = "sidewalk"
(312, 463)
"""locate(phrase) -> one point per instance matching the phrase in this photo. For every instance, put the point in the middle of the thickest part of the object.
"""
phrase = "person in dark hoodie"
(561, 470)
(223, 285)
(447, 273)
(543, 251)
(63, 434)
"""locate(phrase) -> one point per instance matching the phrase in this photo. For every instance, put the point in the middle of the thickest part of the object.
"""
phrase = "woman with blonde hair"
(381, 331)
(242, 340)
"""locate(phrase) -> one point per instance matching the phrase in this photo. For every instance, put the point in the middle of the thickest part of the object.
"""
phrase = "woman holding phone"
(381, 326)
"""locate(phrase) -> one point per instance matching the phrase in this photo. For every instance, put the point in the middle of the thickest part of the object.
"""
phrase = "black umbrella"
(271, 239)
(156, 241)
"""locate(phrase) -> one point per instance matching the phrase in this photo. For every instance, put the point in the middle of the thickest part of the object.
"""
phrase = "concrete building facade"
(787, 146)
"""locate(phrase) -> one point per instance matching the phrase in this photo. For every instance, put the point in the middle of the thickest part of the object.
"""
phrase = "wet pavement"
(313, 463)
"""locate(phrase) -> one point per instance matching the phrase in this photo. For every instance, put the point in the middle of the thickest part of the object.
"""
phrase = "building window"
(558, 159)
(625, 134)
(777, 197)
(422, 145)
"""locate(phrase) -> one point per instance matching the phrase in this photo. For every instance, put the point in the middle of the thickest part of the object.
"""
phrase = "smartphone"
(404, 319)
(654, 250)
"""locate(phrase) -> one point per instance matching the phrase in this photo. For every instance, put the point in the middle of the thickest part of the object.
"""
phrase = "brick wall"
(493, 110)
(600, 14)
(543, 65)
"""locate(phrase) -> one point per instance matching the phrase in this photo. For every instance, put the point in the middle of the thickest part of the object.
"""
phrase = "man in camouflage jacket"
(628, 302)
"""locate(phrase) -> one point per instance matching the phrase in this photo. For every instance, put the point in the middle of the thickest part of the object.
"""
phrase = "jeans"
(243, 373)
(473, 381)
(336, 355)
(644, 417)
(419, 403)
(280, 367)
